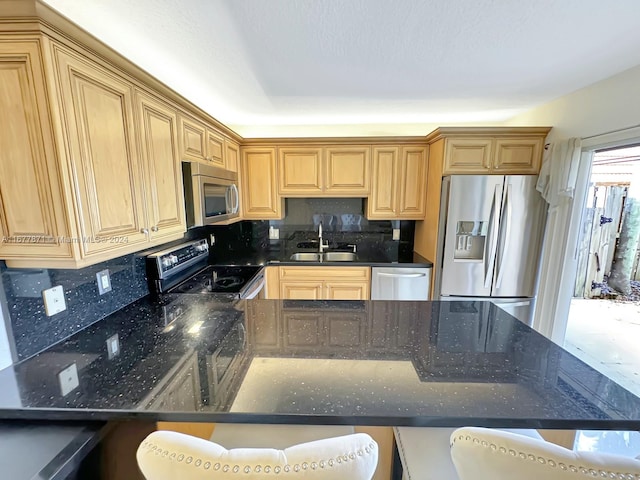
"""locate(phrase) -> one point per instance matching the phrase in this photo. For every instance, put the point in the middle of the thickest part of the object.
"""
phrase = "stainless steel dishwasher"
(400, 283)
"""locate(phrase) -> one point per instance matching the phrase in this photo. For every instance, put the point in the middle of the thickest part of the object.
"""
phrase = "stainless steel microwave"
(211, 194)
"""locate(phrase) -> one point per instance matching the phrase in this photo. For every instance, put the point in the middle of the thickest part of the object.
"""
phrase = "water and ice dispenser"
(470, 239)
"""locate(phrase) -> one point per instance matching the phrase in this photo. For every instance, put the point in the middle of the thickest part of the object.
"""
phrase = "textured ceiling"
(366, 67)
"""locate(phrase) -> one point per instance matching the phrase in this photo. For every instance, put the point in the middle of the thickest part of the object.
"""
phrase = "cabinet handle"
(154, 228)
(145, 231)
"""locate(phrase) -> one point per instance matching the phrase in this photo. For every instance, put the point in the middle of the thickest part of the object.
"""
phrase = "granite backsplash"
(33, 331)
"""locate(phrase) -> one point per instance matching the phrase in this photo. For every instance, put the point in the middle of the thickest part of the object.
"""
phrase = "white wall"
(611, 104)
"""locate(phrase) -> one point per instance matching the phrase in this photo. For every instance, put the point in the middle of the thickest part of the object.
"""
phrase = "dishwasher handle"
(402, 275)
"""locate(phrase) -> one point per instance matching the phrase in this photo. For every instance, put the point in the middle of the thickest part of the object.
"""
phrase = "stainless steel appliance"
(398, 283)
(491, 241)
(184, 269)
(211, 194)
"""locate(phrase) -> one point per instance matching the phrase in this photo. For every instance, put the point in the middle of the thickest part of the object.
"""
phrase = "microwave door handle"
(236, 195)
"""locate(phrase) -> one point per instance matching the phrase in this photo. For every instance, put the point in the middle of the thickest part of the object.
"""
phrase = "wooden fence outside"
(601, 224)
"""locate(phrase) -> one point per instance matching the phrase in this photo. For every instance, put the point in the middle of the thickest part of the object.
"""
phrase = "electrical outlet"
(212, 239)
(396, 234)
(113, 346)
(104, 281)
(54, 300)
(68, 379)
(274, 233)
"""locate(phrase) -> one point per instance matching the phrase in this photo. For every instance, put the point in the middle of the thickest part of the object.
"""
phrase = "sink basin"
(323, 257)
(339, 256)
(306, 257)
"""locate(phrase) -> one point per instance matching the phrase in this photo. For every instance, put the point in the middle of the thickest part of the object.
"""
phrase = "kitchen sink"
(306, 257)
(323, 257)
(339, 256)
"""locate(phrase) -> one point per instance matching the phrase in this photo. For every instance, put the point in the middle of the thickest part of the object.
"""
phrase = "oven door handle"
(256, 288)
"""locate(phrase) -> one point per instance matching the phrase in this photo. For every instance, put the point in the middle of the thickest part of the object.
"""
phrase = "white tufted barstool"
(483, 454)
(166, 455)
(424, 452)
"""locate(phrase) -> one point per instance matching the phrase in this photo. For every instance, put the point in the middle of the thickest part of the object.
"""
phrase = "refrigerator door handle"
(507, 214)
(491, 244)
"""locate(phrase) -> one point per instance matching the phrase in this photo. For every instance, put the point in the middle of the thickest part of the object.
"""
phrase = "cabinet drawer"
(324, 273)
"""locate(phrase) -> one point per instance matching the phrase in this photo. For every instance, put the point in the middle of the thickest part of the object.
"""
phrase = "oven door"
(224, 363)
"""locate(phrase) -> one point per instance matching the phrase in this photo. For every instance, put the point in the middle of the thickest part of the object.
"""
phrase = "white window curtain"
(563, 183)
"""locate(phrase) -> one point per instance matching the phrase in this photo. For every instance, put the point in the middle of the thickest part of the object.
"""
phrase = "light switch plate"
(104, 281)
(54, 300)
(212, 239)
(396, 234)
(68, 379)
(113, 346)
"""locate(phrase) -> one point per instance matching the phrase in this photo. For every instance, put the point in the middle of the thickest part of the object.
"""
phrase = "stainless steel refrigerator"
(490, 246)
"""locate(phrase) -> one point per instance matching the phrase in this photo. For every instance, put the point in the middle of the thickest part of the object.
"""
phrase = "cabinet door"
(193, 139)
(467, 155)
(261, 199)
(518, 155)
(384, 184)
(32, 218)
(301, 290)
(303, 329)
(300, 172)
(351, 290)
(232, 155)
(98, 108)
(347, 171)
(215, 148)
(345, 329)
(413, 183)
(159, 148)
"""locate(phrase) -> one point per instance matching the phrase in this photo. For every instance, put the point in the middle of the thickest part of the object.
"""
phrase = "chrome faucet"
(322, 245)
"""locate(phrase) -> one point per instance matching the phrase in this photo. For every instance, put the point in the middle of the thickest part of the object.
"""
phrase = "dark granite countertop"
(195, 358)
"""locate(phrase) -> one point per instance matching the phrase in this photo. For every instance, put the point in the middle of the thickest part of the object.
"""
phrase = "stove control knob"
(201, 248)
(174, 259)
(166, 262)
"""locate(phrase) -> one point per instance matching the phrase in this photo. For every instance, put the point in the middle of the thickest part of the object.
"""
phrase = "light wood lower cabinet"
(325, 283)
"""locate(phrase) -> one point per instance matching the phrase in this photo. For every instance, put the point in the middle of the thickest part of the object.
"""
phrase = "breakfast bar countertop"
(196, 358)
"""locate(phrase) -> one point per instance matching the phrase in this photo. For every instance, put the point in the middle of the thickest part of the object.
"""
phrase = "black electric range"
(184, 268)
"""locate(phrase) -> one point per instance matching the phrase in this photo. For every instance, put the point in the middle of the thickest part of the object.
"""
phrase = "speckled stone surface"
(194, 358)
(33, 331)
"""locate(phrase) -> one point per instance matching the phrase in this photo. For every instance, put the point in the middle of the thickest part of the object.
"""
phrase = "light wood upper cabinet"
(464, 155)
(399, 182)
(493, 155)
(108, 185)
(99, 118)
(347, 171)
(300, 171)
(521, 155)
(159, 149)
(201, 143)
(32, 217)
(259, 184)
(232, 154)
(331, 171)
(193, 139)
(215, 148)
